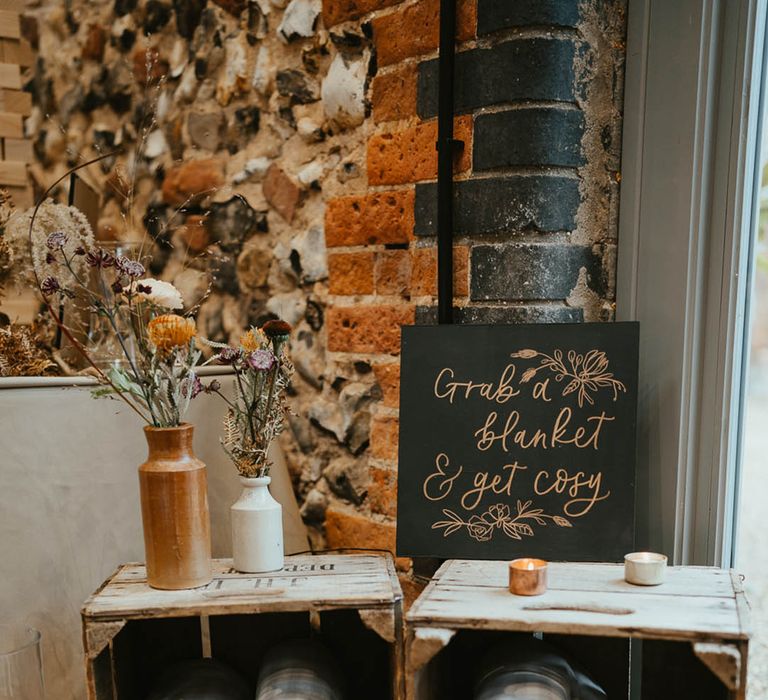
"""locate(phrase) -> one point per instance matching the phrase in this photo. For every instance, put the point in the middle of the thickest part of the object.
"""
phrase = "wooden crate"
(132, 632)
(694, 629)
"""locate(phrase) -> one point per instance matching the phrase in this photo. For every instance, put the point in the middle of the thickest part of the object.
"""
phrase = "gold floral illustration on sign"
(588, 372)
(499, 517)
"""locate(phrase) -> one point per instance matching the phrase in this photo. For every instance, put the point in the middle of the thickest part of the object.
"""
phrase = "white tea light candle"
(645, 568)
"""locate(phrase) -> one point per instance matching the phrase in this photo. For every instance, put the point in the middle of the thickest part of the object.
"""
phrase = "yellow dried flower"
(170, 331)
(253, 340)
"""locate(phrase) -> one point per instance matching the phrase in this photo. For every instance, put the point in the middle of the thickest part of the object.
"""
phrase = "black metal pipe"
(445, 150)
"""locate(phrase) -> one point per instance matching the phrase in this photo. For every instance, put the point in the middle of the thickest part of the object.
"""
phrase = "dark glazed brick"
(523, 271)
(493, 15)
(493, 315)
(522, 69)
(503, 204)
(547, 136)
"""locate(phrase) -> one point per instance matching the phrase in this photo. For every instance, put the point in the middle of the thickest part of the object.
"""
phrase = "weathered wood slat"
(590, 599)
(11, 125)
(609, 578)
(18, 6)
(18, 149)
(17, 51)
(15, 102)
(577, 612)
(13, 173)
(308, 582)
(22, 196)
(10, 76)
(10, 24)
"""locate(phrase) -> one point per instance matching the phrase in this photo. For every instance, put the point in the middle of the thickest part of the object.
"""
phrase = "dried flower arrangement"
(24, 351)
(255, 415)
(7, 254)
(160, 354)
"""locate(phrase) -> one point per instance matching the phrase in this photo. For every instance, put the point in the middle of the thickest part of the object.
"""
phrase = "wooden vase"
(174, 511)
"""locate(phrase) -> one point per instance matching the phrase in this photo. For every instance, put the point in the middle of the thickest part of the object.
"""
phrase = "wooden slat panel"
(17, 51)
(11, 125)
(16, 102)
(10, 25)
(22, 196)
(17, 6)
(576, 612)
(18, 149)
(320, 582)
(589, 599)
(13, 173)
(688, 580)
(10, 76)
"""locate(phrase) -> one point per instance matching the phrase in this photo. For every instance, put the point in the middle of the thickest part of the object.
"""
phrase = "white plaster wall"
(69, 508)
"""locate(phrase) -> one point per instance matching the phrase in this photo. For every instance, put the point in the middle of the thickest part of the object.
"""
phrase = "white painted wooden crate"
(697, 620)
(131, 631)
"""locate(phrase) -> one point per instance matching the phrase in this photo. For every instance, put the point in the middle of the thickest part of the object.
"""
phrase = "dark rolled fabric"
(299, 670)
(202, 679)
(530, 669)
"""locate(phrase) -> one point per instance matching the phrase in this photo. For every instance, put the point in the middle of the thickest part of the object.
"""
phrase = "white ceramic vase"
(257, 528)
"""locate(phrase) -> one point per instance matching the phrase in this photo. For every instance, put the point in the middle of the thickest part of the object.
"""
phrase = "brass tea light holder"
(527, 576)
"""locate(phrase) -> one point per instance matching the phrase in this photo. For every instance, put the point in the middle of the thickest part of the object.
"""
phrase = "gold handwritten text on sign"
(546, 377)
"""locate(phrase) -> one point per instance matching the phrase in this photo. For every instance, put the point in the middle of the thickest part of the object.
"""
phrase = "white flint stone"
(299, 19)
(309, 130)
(164, 104)
(258, 166)
(235, 71)
(289, 306)
(310, 173)
(310, 245)
(187, 85)
(155, 145)
(343, 92)
(179, 58)
(254, 169)
(263, 72)
(121, 24)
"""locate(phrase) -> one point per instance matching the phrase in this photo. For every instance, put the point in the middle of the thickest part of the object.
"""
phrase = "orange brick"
(382, 491)
(393, 272)
(367, 329)
(384, 433)
(350, 273)
(412, 589)
(424, 275)
(388, 377)
(415, 29)
(345, 528)
(394, 94)
(381, 217)
(335, 11)
(410, 155)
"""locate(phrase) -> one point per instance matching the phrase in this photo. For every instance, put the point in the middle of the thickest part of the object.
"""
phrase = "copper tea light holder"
(527, 576)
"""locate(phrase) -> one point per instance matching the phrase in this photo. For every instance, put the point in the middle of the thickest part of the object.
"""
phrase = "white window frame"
(691, 118)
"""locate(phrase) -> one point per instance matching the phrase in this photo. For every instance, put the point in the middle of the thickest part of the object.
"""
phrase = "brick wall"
(538, 107)
(280, 125)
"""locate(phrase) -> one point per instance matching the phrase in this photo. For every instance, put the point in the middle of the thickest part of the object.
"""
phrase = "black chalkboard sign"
(517, 441)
